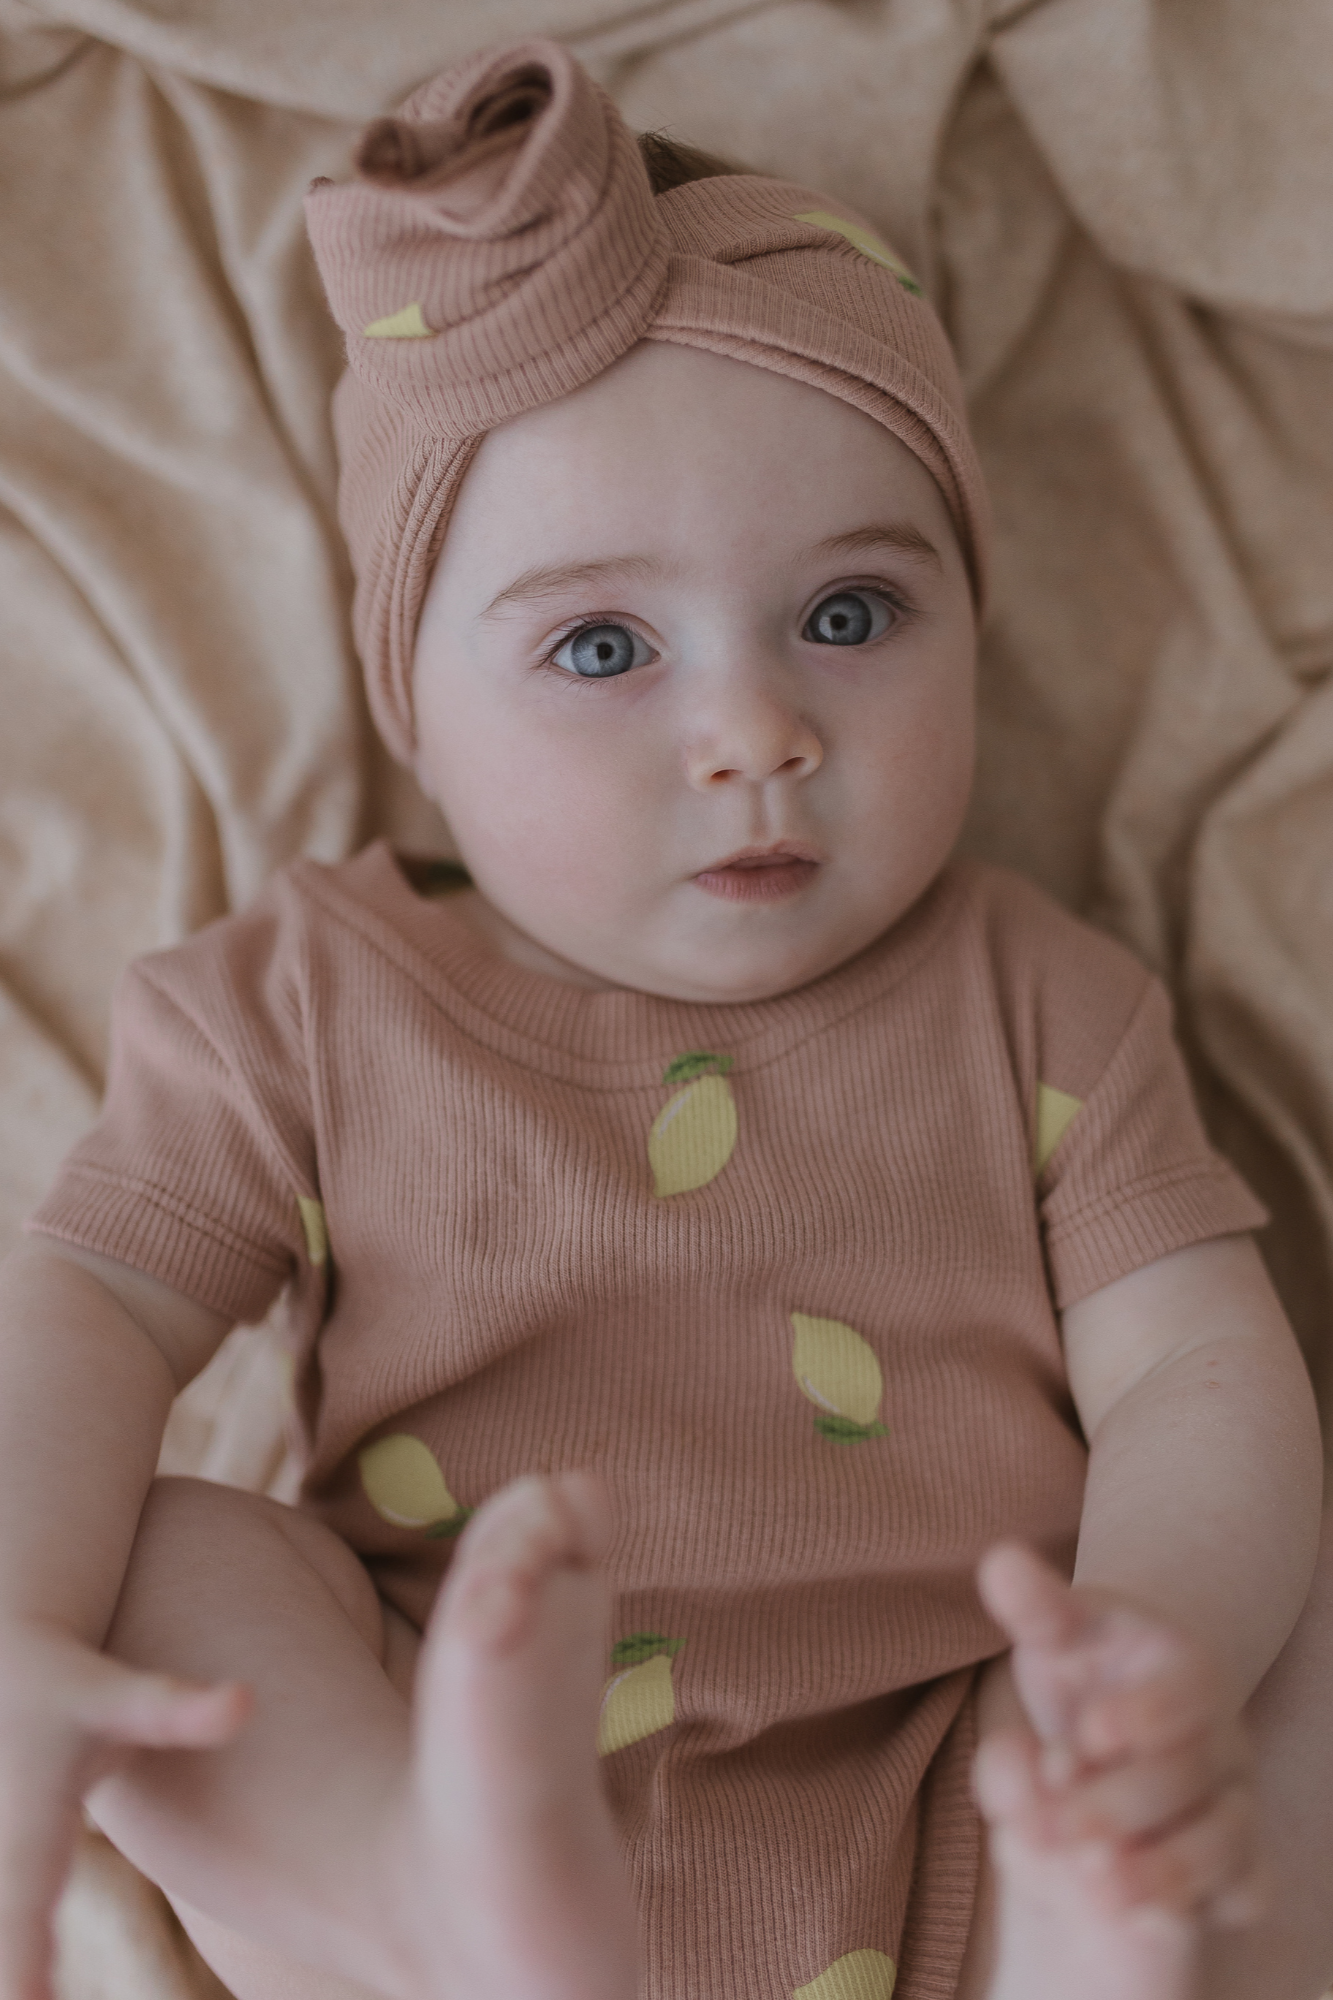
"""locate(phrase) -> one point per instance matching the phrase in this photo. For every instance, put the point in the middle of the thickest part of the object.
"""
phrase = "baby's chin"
(758, 961)
(692, 945)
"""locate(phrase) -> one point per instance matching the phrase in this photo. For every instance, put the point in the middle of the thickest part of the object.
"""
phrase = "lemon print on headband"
(866, 241)
(694, 1133)
(408, 323)
(839, 1373)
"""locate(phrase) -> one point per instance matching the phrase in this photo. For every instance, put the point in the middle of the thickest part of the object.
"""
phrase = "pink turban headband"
(460, 316)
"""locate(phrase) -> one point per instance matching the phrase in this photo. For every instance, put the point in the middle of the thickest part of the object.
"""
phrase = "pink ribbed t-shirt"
(786, 1273)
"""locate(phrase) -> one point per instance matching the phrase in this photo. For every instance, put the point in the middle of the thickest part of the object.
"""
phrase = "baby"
(712, 1226)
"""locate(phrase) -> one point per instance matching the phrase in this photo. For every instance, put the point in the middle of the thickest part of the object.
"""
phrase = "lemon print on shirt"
(640, 1699)
(314, 1228)
(694, 1133)
(1056, 1112)
(860, 1975)
(840, 1374)
(404, 1485)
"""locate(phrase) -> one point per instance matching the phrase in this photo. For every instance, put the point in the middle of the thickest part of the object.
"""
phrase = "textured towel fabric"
(786, 1273)
(465, 305)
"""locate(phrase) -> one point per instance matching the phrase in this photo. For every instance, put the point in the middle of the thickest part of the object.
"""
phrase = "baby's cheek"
(561, 822)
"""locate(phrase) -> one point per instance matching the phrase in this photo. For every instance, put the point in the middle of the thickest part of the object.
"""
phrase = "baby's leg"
(459, 1853)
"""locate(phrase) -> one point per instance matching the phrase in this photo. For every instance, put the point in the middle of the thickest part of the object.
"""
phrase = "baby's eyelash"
(893, 612)
(890, 594)
(589, 623)
(895, 598)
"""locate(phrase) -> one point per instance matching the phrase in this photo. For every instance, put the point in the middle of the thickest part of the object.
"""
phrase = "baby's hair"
(671, 164)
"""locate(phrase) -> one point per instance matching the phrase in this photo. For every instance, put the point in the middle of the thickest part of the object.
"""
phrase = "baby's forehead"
(683, 472)
(668, 415)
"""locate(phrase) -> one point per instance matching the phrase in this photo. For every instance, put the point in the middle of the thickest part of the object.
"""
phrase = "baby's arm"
(1206, 1472)
(1198, 1539)
(91, 1354)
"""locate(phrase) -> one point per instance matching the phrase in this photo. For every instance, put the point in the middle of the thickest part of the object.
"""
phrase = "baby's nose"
(749, 736)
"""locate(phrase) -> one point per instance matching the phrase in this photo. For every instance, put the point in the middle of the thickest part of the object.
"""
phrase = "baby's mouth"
(760, 874)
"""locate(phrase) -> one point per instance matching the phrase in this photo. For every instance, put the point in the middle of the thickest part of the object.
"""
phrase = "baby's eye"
(600, 651)
(848, 618)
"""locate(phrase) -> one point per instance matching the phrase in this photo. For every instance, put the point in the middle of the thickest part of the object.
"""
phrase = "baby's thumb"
(161, 1712)
(1033, 1602)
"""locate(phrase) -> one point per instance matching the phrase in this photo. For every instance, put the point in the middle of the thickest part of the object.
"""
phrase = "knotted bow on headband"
(465, 303)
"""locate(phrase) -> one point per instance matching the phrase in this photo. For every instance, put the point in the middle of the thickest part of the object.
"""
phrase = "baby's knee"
(198, 1540)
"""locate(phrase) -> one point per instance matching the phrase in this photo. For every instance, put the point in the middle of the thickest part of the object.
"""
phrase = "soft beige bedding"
(1122, 209)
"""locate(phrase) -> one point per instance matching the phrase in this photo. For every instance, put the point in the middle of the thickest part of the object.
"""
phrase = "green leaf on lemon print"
(843, 1431)
(839, 1373)
(696, 1063)
(444, 1531)
(642, 1646)
(694, 1133)
(641, 1698)
(404, 1485)
(858, 1975)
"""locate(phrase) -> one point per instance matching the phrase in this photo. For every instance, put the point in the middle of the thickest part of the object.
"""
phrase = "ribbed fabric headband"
(460, 316)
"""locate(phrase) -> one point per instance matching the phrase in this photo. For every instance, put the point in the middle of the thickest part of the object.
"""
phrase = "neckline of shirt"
(624, 1037)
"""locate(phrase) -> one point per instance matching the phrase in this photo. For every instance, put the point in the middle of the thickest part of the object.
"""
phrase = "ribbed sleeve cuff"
(1123, 1231)
(156, 1233)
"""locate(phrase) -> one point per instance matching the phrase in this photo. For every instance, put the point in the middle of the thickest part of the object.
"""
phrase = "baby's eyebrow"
(898, 535)
(553, 579)
(558, 577)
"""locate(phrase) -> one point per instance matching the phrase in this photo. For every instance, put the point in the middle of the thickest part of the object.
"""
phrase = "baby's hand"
(1136, 1763)
(68, 1717)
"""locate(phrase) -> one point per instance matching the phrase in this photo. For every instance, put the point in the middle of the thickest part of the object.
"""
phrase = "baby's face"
(693, 681)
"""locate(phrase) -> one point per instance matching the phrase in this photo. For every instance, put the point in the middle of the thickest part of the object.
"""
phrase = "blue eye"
(600, 652)
(847, 618)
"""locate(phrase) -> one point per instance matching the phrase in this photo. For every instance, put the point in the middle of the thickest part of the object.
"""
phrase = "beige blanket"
(1122, 208)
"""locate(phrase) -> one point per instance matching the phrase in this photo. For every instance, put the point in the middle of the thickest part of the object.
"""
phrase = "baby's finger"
(1134, 1799)
(1251, 1899)
(1004, 1776)
(157, 1711)
(1031, 1600)
(1181, 1700)
(36, 1841)
(1191, 1866)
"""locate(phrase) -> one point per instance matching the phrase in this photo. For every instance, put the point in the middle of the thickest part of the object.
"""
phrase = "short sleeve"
(1125, 1172)
(194, 1170)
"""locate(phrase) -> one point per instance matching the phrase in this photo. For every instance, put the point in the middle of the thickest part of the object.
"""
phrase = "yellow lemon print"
(405, 1485)
(1056, 1112)
(864, 240)
(839, 1373)
(408, 323)
(641, 1699)
(315, 1229)
(860, 1975)
(695, 1131)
